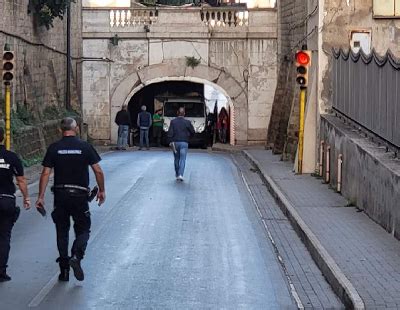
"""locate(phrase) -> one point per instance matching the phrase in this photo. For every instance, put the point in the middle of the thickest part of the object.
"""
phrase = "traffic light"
(8, 66)
(303, 63)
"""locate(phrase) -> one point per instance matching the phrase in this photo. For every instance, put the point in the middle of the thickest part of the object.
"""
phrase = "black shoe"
(64, 275)
(4, 277)
(75, 264)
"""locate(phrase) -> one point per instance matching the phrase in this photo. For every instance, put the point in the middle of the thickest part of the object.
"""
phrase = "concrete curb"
(331, 271)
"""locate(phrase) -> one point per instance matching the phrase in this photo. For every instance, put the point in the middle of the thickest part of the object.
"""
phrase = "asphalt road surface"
(155, 243)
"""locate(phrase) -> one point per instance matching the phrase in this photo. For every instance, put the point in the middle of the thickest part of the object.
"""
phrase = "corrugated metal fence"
(366, 89)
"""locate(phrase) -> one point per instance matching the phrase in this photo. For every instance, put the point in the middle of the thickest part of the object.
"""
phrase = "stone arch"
(234, 91)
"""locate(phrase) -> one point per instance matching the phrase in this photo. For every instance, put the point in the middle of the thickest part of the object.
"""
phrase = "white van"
(195, 110)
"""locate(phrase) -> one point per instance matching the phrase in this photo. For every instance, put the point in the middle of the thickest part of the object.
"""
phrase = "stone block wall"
(283, 129)
(29, 144)
(40, 56)
(370, 175)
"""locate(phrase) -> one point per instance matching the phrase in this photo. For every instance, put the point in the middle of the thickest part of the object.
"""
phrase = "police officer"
(10, 166)
(70, 158)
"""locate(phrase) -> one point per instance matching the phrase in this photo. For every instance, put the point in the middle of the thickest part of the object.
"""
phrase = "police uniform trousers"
(71, 204)
(7, 219)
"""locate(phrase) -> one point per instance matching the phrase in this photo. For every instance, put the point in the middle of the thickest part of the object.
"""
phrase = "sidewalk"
(360, 259)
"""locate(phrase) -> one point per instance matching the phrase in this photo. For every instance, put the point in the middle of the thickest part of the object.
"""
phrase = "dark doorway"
(151, 96)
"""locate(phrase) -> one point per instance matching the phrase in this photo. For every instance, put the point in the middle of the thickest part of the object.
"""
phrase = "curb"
(340, 284)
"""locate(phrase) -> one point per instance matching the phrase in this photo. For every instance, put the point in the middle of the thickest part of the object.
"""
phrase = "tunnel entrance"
(168, 94)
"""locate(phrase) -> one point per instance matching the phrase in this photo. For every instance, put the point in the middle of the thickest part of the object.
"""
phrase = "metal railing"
(366, 89)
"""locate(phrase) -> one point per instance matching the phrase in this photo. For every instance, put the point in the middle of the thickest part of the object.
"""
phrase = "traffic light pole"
(8, 117)
(303, 91)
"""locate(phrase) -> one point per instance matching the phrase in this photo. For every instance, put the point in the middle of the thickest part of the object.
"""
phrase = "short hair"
(1, 134)
(181, 111)
(144, 108)
(68, 123)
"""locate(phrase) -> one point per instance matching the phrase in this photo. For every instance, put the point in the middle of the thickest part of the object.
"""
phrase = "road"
(156, 243)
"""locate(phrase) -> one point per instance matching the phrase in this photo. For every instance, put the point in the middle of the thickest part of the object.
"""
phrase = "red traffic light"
(302, 58)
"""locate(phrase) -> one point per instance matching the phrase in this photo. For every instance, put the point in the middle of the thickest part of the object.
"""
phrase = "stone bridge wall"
(241, 61)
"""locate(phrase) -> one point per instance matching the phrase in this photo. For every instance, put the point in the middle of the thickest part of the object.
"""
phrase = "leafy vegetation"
(192, 62)
(45, 11)
(32, 161)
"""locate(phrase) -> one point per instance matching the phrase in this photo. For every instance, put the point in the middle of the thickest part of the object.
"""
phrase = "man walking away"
(158, 123)
(144, 123)
(180, 130)
(123, 120)
(10, 166)
(70, 158)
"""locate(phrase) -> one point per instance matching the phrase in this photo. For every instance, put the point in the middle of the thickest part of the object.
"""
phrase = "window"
(386, 8)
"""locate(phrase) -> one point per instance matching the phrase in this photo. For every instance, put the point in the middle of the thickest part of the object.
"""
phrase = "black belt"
(7, 196)
(71, 187)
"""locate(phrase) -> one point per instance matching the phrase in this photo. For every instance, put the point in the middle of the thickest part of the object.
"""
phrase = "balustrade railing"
(216, 17)
(213, 17)
(132, 17)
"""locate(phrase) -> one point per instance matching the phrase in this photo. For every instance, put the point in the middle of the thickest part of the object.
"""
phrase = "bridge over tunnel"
(125, 61)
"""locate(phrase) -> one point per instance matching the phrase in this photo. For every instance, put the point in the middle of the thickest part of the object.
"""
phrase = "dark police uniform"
(10, 166)
(71, 157)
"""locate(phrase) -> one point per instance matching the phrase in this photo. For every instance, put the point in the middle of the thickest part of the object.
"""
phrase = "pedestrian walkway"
(367, 257)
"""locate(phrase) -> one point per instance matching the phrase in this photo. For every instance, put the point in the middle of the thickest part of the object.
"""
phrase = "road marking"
(293, 291)
(43, 292)
(37, 300)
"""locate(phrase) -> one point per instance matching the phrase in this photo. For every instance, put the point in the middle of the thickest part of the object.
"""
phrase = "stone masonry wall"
(283, 129)
(40, 60)
(370, 175)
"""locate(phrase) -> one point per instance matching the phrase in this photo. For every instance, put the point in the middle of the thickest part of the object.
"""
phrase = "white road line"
(43, 292)
(293, 291)
(37, 300)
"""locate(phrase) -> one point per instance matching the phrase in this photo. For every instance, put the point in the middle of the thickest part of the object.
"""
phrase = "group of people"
(217, 126)
(70, 159)
(144, 122)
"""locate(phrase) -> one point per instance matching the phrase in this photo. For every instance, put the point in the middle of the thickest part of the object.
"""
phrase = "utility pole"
(301, 130)
(68, 86)
(8, 65)
(303, 63)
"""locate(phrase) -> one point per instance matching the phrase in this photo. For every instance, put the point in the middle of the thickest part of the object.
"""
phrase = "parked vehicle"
(195, 109)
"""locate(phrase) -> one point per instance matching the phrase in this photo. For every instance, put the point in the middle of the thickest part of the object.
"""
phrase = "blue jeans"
(144, 136)
(123, 131)
(180, 157)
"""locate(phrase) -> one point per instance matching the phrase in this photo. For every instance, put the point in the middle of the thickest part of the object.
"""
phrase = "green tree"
(45, 11)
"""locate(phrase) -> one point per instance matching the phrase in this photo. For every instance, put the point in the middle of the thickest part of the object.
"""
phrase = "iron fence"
(366, 89)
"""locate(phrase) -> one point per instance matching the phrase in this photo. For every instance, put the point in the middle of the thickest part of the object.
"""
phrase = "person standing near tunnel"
(123, 120)
(144, 123)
